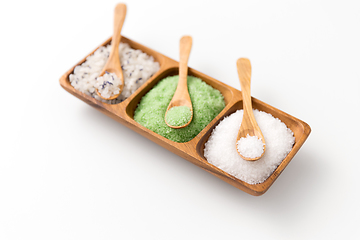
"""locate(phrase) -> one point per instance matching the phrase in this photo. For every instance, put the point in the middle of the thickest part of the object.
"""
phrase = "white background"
(69, 172)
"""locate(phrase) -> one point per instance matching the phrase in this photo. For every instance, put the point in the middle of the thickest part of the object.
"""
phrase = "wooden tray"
(193, 150)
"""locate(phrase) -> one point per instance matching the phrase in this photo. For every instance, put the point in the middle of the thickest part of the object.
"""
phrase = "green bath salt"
(178, 116)
(207, 104)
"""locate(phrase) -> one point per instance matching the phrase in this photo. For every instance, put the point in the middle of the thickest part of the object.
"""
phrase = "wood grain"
(193, 150)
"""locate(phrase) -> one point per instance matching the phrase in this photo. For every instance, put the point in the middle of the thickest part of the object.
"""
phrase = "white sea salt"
(250, 146)
(220, 149)
(108, 85)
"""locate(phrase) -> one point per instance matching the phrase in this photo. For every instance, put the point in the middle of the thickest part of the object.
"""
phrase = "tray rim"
(188, 150)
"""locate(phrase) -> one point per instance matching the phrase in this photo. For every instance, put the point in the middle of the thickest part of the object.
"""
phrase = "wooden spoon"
(113, 63)
(248, 124)
(181, 96)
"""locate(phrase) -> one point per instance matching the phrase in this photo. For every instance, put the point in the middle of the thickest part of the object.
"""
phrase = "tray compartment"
(225, 91)
(300, 129)
(162, 60)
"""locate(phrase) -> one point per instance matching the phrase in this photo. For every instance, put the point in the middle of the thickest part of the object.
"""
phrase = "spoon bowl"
(249, 126)
(181, 96)
(113, 64)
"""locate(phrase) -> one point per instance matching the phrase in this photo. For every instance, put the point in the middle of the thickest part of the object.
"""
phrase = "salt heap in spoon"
(250, 146)
(108, 85)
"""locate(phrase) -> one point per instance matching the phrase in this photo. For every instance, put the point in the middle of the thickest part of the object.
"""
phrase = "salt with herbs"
(108, 85)
(136, 65)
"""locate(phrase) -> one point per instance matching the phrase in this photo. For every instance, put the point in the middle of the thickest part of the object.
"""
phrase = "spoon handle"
(185, 48)
(248, 125)
(119, 18)
(244, 72)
